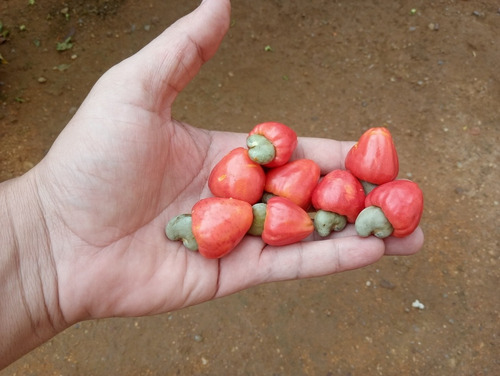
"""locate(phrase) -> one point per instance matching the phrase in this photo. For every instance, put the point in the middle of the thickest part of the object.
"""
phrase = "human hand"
(122, 168)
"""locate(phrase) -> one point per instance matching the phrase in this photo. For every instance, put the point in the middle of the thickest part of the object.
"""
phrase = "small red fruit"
(374, 159)
(237, 176)
(219, 224)
(393, 208)
(340, 192)
(339, 197)
(295, 180)
(271, 144)
(285, 222)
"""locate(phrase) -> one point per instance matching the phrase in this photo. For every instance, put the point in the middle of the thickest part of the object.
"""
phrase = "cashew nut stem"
(372, 220)
(180, 228)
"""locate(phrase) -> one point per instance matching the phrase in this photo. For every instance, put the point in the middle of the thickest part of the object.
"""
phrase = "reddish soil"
(327, 69)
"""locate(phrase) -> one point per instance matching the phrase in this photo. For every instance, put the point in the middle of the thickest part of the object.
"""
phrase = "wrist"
(29, 293)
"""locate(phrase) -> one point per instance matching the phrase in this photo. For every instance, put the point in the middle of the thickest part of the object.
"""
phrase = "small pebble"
(387, 284)
(42, 80)
(417, 304)
(433, 26)
(475, 131)
(198, 338)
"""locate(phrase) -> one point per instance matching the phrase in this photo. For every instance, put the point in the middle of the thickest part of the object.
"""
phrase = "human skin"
(82, 233)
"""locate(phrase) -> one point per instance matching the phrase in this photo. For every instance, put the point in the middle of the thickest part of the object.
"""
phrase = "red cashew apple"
(294, 180)
(339, 198)
(237, 176)
(271, 144)
(393, 208)
(285, 222)
(373, 158)
(215, 226)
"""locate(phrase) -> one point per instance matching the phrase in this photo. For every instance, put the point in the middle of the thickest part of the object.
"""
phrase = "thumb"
(168, 63)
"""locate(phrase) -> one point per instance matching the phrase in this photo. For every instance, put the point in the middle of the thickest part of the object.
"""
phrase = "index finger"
(327, 153)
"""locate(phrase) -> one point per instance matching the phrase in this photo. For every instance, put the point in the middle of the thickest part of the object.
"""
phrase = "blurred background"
(426, 70)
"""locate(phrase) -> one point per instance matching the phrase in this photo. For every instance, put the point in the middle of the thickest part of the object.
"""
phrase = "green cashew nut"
(259, 216)
(326, 221)
(180, 228)
(260, 149)
(372, 220)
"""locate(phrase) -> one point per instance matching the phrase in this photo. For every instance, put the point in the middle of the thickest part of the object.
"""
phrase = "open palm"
(123, 167)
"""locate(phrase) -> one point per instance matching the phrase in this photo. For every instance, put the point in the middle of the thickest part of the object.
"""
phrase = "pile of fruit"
(258, 191)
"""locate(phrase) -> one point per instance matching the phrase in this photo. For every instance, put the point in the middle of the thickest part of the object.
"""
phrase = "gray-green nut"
(372, 220)
(180, 228)
(260, 149)
(326, 221)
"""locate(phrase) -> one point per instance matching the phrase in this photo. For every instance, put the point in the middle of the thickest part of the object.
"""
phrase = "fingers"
(176, 56)
(328, 154)
(160, 70)
(250, 264)
(405, 246)
(253, 262)
(319, 258)
(408, 245)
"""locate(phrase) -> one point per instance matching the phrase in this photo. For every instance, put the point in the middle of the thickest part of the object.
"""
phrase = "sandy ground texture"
(427, 70)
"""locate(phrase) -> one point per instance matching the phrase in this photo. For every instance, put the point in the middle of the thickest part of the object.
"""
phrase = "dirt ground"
(427, 70)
